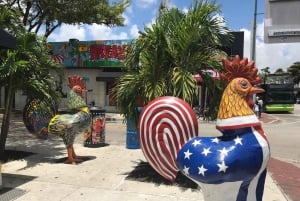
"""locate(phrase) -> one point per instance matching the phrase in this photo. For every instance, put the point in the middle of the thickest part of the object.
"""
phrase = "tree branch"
(26, 14)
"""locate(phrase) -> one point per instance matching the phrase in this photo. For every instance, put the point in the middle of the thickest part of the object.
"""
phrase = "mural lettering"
(107, 52)
(75, 53)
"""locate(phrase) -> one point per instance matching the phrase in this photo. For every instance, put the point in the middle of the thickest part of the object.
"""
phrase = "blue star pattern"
(215, 160)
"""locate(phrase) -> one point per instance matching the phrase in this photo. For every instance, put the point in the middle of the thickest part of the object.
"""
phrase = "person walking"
(259, 105)
(256, 108)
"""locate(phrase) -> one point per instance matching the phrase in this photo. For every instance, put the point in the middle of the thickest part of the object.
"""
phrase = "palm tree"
(266, 70)
(295, 71)
(164, 59)
(28, 69)
(279, 71)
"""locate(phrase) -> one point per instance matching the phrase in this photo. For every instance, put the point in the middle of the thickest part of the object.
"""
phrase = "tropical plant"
(164, 59)
(279, 71)
(28, 68)
(47, 15)
(295, 71)
(266, 70)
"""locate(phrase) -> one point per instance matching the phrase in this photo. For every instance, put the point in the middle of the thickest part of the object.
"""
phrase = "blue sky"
(237, 13)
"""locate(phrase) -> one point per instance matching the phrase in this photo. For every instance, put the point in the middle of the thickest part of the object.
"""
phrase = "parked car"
(298, 100)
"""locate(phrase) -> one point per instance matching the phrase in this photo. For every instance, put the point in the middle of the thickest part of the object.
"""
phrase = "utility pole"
(253, 46)
(163, 5)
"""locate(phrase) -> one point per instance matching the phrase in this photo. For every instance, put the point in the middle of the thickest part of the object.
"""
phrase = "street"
(284, 166)
(284, 136)
(281, 130)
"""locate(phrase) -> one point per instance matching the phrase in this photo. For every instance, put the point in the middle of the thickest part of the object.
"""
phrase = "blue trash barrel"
(132, 134)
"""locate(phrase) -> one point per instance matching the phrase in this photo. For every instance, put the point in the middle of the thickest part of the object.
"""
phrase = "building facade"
(100, 63)
(97, 62)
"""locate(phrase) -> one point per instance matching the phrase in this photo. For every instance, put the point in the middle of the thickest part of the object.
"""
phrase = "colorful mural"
(100, 53)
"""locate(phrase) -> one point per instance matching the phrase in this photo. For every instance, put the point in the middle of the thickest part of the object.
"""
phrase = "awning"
(7, 41)
(211, 73)
(108, 76)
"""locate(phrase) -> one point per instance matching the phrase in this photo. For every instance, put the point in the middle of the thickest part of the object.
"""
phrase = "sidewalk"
(103, 177)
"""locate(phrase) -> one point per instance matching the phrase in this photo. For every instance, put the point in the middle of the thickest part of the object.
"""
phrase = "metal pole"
(163, 5)
(254, 33)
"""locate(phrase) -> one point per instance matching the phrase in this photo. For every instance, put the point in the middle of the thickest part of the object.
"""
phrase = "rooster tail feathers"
(165, 125)
(36, 117)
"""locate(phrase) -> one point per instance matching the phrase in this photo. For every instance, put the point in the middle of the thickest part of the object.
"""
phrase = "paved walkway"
(104, 177)
(285, 174)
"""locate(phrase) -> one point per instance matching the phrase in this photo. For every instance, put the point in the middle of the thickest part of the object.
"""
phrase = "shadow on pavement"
(143, 172)
(12, 181)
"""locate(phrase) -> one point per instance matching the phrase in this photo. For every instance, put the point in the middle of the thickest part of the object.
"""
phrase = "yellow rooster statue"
(228, 167)
(40, 120)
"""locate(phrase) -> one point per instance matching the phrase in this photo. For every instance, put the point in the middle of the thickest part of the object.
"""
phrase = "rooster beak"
(256, 90)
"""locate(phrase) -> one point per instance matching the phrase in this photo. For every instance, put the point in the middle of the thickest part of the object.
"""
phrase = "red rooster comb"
(76, 80)
(240, 68)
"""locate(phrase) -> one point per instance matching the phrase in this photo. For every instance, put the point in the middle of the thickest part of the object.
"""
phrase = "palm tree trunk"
(6, 117)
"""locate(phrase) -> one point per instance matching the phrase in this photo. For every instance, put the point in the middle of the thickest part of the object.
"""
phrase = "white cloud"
(65, 32)
(102, 32)
(275, 56)
(134, 31)
(247, 41)
(126, 19)
(185, 10)
(149, 24)
(86, 32)
(145, 3)
(129, 9)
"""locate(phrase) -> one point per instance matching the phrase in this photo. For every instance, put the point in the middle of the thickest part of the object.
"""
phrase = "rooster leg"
(76, 157)
(70, 159)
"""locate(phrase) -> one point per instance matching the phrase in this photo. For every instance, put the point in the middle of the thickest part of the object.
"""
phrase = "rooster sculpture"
(40, 119)
(228, 167)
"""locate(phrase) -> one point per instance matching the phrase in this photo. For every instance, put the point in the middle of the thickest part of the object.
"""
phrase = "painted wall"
(97, 54)
(98, 93)
(75, 55)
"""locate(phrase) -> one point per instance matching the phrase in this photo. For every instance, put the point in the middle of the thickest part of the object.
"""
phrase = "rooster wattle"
(230, 166)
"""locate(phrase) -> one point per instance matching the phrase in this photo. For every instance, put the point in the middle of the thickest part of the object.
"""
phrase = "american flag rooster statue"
(228, 167)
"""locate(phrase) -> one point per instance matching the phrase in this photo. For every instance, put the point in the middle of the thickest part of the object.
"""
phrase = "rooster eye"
(244, 84)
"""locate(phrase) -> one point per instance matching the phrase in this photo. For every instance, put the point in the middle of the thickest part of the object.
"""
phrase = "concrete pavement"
(103, 177)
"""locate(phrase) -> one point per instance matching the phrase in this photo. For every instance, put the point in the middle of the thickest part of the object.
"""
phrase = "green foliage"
(29, 68)
(41, 68)
(52, 13)
(266, 70)
(164, 59)
(127, 93)
(9, 19)
(295, 71)
(279, 71)
(184, 85)
(10, 66)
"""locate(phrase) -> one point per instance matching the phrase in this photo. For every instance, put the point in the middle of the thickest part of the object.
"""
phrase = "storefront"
(98, 62)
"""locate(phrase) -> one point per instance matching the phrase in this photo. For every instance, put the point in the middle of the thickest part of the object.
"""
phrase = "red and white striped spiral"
(58, 58)
(166, 123)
